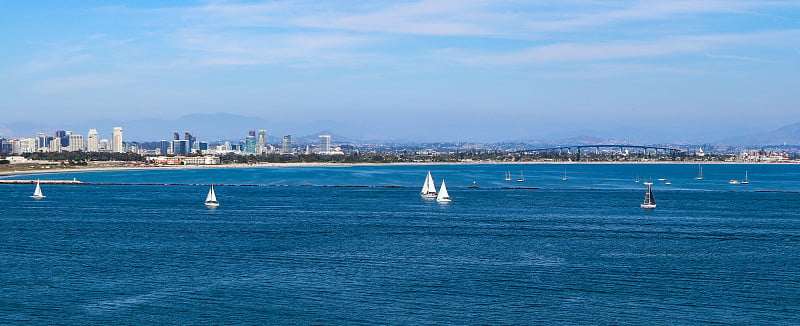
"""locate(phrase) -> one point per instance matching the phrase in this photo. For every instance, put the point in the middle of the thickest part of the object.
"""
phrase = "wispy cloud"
(77, 82)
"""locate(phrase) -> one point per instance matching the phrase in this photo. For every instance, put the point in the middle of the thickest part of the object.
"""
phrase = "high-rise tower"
(116, 141)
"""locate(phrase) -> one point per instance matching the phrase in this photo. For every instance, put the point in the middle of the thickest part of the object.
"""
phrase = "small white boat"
(734, 182)
(649, 200)
(521, 177)
(565, 175)
(211, 199)
(699, 172)
(746, 180)
(662, 179)
(668, 182)
(508, 176)
(637, 179)
(428, 188)
(37, 193)
(443, 196)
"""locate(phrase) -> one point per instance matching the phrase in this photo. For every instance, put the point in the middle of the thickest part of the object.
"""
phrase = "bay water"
(358, 245)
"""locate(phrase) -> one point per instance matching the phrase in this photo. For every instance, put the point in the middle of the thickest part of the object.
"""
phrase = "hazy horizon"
(674, 71)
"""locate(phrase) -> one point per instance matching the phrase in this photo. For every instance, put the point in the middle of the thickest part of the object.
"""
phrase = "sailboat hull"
(212, 204)
(37, 197)
(648, 206)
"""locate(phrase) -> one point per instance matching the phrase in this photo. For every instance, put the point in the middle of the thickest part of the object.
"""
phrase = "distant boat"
(37, 193)
(521, 177)
(734, 182)
(668, 182)
(699, 172)
(474, 185)
(508, 176)
(662, 179)
(443, 196)
(428, 188)
(637, 179)
(649, 200)
(565, 175)
(746, 179)
(211, 199)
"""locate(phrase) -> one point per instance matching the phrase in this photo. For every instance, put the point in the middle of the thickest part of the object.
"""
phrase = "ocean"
(358, 245)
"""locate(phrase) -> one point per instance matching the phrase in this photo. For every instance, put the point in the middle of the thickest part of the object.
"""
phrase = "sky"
(478, 70)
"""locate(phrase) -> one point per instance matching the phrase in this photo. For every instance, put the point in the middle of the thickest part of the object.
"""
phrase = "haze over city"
(418, 70)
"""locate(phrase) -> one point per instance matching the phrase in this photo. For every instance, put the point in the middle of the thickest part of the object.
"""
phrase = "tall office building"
(62, 138)
(324, 144)
(180, 147)
(42, 142)
(251, 133)
(116, 141)
(261, 138)
(75, 143)
(250, 143)
(163, 147)
(187, 136)
(93, 141)
(286, 144)
(176, 136)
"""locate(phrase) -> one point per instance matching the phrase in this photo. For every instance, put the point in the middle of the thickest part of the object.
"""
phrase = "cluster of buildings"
(67, 141)
(254, 143)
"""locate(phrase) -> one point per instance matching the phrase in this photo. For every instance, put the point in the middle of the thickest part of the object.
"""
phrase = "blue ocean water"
(288, 246)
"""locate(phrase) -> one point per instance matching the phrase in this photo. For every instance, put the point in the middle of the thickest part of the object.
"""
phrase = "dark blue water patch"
(104, 254)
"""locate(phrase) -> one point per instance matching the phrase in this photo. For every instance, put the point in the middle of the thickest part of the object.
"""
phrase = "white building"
(116, 141)
(324, 144)
(93, 141)
(76, 143)
(24, 145)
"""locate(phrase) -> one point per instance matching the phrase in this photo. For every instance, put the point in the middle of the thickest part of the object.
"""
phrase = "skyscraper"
(250, 143)
(75, 143)
(42, 142)
(176, 136)
(62, 138)
(286, 144)
(180, 147)
(187, 136)
(93, 141)
(324, 144)
(163, 146)
(116, 141)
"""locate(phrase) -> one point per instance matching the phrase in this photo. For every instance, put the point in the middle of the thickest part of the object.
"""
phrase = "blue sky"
(450, 70)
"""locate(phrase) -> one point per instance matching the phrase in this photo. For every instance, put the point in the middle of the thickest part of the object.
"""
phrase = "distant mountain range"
(789, 134)
(225, 126)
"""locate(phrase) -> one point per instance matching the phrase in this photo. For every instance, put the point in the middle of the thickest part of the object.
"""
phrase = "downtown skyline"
(454, 70)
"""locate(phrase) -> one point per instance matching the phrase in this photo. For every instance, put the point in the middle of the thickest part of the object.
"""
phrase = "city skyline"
(468, 70)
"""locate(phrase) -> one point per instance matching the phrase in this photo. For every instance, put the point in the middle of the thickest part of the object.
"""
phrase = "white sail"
(699, 172)
(37, 193)
(649, 199)
(428, 188)
(443, 196)
(746, 179)
(508, 176)
(211, 198)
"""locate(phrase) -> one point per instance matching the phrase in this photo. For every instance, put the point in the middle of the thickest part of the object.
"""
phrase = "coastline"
(4, 174)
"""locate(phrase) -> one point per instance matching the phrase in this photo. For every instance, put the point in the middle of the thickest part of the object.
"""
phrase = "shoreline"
(4, 174)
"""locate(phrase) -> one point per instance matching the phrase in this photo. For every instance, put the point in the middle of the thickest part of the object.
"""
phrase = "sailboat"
(443, 196)
(699, 172)
(649, 200)
(508, 176)
(565, 175)
(637, 179)
(38, 192)
(428, 188)
(211, 199)
(746, 180)
(521, 177)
